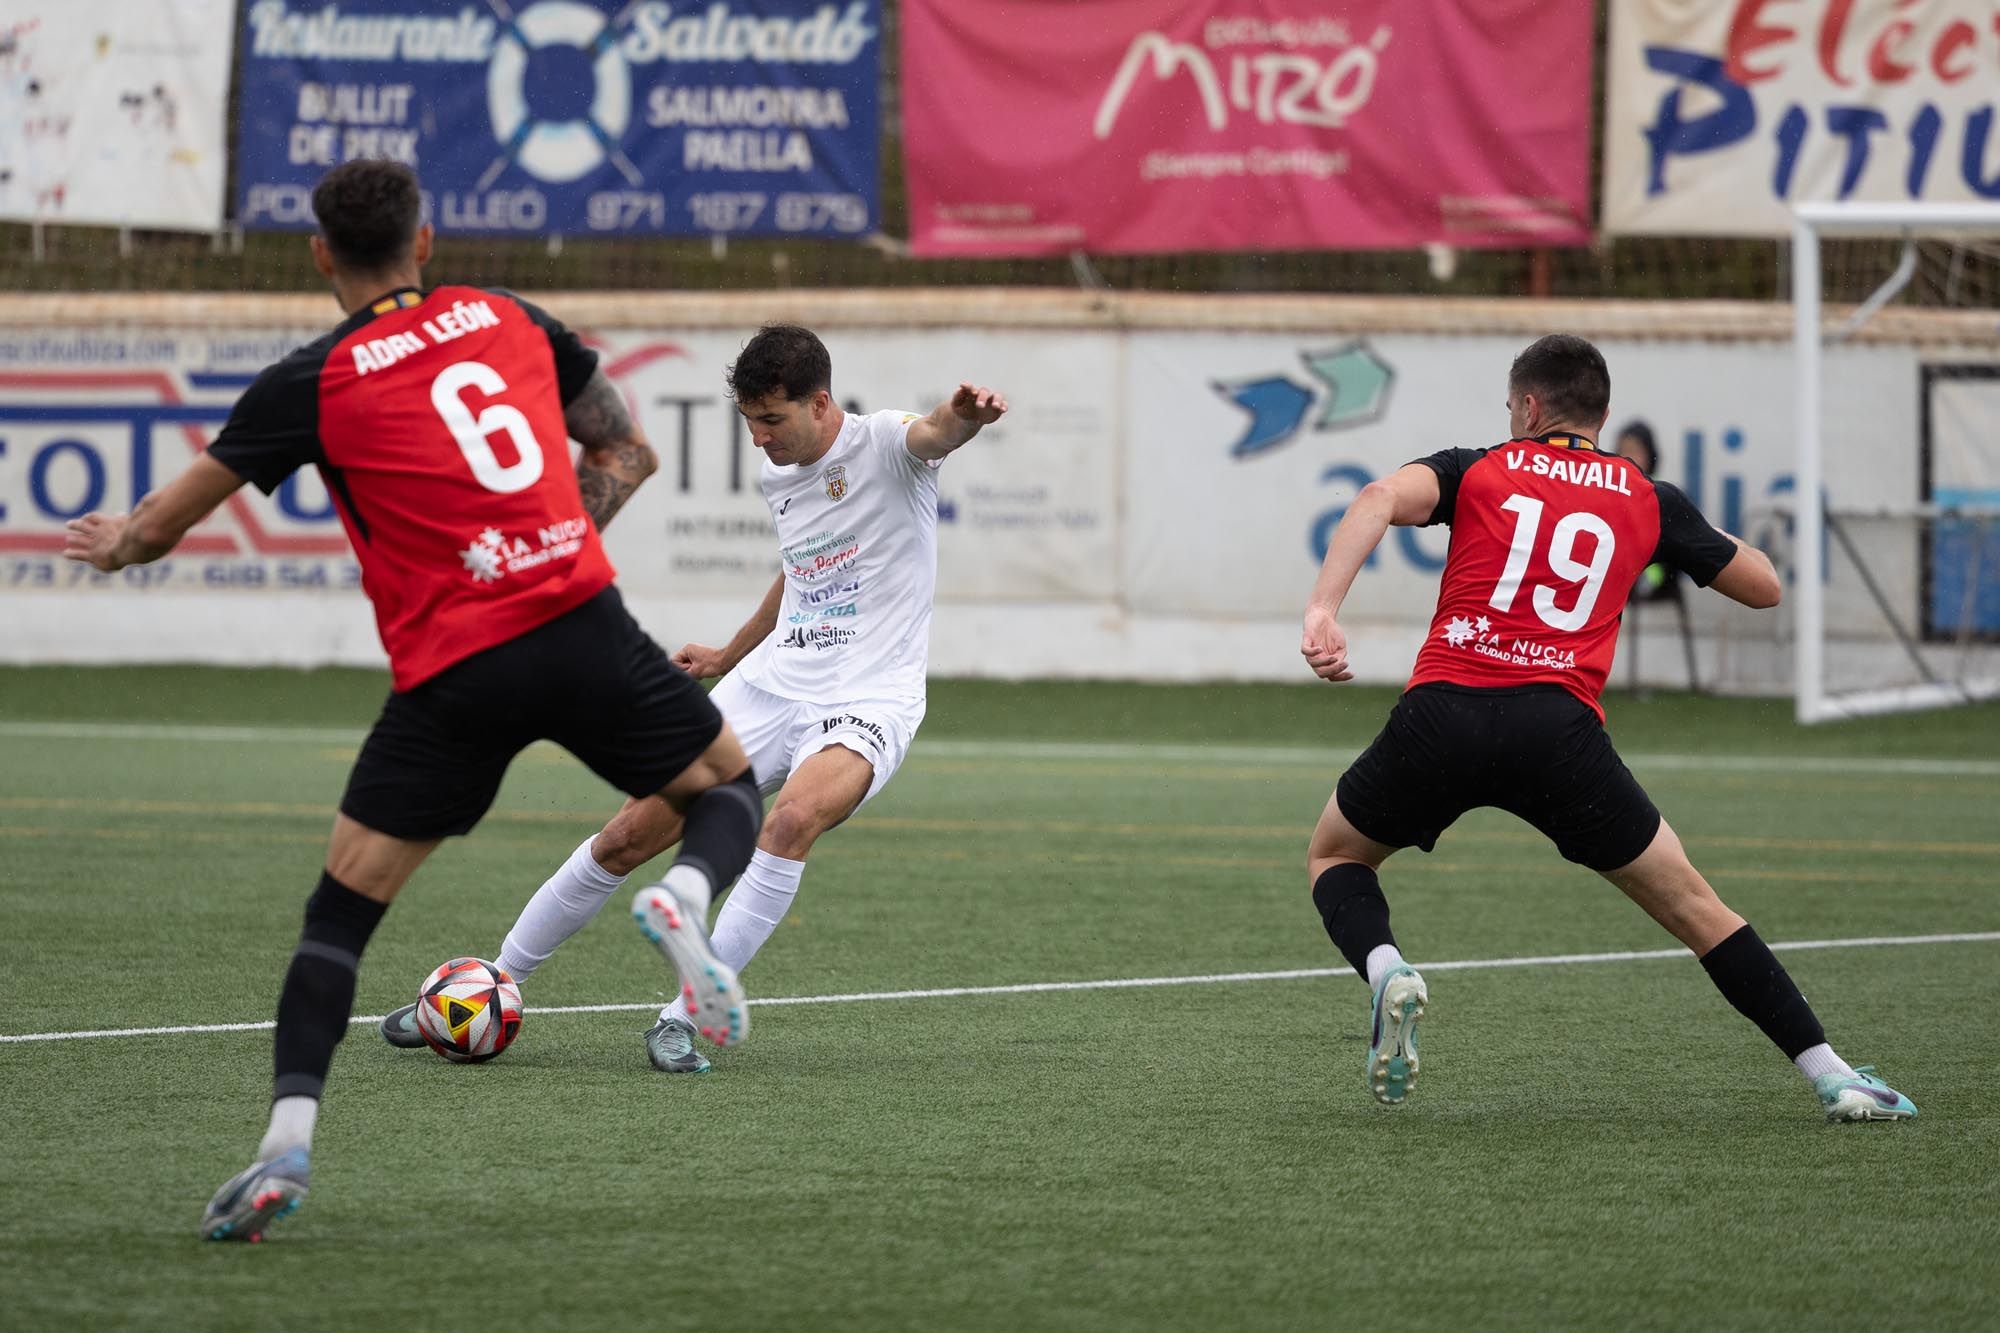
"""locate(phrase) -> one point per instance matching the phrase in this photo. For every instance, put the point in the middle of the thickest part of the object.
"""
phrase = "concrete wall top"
(1028, 307)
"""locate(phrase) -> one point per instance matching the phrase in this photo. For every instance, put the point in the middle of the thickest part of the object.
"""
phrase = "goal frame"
(1810, 222)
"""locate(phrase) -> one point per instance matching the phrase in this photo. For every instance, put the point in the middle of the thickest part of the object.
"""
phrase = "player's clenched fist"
(700, 661)
(1324, 646)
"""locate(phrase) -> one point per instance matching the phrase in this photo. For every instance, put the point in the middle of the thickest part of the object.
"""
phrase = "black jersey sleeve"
(273, 430)
(1687, 540)
(575, 363)
(1450, 466)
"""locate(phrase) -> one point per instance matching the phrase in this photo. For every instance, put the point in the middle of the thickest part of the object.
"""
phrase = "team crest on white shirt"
(836, 481)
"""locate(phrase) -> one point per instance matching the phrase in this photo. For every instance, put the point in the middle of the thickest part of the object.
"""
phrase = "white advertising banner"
(1026, 512)
(1247, 449)
(111, 112)
(1719, 117)
(92, 419)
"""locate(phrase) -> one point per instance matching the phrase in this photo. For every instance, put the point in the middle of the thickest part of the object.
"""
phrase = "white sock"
(291, 1126)
(1380, 959)
(1819, 1061)
(751, 912)
(560, 908)
(691, 886)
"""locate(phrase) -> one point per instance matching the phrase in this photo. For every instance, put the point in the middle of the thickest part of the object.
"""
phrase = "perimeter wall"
(1154, 507)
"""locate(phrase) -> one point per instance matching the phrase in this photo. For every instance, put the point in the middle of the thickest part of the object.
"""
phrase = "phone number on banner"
(54, 572)
(730, 210)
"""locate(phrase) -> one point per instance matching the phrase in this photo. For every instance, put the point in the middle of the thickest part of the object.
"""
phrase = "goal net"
(1896, 570)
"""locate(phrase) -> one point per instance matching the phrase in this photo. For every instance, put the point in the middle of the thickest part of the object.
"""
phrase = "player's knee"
(791, 829)
(1326, 851)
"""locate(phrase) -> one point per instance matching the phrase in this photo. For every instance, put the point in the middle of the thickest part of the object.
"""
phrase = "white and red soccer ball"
(469, 1010)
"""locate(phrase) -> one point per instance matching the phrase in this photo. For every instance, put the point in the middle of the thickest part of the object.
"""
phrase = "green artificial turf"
(1591, 1145)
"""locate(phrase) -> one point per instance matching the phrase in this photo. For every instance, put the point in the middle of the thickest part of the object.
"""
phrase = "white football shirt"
(857, 536)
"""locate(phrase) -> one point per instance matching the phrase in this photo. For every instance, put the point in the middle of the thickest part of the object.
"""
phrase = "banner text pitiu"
(1720, 118)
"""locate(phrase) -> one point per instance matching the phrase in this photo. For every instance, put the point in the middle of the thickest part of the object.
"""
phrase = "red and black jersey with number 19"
(436, 419)
(1547, 538)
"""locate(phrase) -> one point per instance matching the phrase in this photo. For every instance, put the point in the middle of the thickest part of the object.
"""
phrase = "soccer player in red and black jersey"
(440, 421)
(1547, 535)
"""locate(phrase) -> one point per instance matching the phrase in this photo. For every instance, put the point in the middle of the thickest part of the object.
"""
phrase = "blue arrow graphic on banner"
(1276, 407)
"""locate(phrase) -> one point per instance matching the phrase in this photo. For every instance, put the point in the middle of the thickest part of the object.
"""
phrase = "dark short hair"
(1567, 374)
(368, 211)
(780, 358)
(1640, 431)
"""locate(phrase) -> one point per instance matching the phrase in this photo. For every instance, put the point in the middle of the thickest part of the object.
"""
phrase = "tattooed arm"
(616, 457)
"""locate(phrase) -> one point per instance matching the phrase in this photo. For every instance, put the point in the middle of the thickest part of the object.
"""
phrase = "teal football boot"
(1861, 1096)
(1392, 1043)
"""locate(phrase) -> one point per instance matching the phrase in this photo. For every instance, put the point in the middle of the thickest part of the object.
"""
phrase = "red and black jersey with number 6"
(436, 419)
(1547, 537)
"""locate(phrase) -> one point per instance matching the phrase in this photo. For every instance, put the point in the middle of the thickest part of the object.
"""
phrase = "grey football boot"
(670, 1046)
(262, 1193)
(399, 1029)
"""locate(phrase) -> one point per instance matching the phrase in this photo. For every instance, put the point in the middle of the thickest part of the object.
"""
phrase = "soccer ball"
(469, 1010)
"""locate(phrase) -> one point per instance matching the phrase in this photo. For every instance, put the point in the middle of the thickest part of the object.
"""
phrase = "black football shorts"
(1536, 751)
(590, 680)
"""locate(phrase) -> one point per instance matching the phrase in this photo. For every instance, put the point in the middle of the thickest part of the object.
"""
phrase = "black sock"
(313, 1007)
(1350, 902)
(1750, 977)
(721, 829)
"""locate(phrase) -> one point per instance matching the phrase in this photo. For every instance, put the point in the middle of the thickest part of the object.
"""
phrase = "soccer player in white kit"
(824, 684)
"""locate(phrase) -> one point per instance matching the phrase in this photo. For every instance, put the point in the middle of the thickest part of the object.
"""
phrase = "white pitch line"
(1110, 983)
(1169, 752)
(177, 732)
(1080, 751)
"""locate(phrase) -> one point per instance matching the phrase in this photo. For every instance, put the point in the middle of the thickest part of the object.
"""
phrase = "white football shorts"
(780, 734)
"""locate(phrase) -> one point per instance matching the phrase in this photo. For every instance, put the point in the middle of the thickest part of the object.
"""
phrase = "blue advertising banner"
(577, 117)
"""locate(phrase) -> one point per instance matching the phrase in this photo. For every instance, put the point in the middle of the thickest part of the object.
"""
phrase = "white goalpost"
(1900, 594)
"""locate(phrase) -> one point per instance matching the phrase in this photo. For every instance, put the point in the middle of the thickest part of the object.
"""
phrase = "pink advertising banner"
(1044, 126)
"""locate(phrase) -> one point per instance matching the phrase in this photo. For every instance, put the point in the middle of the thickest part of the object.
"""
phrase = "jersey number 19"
(1562, 560)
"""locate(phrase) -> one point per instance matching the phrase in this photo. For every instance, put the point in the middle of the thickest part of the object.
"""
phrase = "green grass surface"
(1592, 1146)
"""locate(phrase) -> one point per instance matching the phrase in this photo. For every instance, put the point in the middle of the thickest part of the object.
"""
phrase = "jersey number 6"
(1562, 562)
(475, 434)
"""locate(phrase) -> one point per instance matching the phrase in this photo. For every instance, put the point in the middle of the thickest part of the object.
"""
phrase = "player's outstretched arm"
(1406, 497)
(952, 423)
(156, 524)
(1749, 577)
(616, 457)
(701, 661)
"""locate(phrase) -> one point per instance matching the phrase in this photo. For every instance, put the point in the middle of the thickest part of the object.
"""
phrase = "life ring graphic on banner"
(558, 150)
